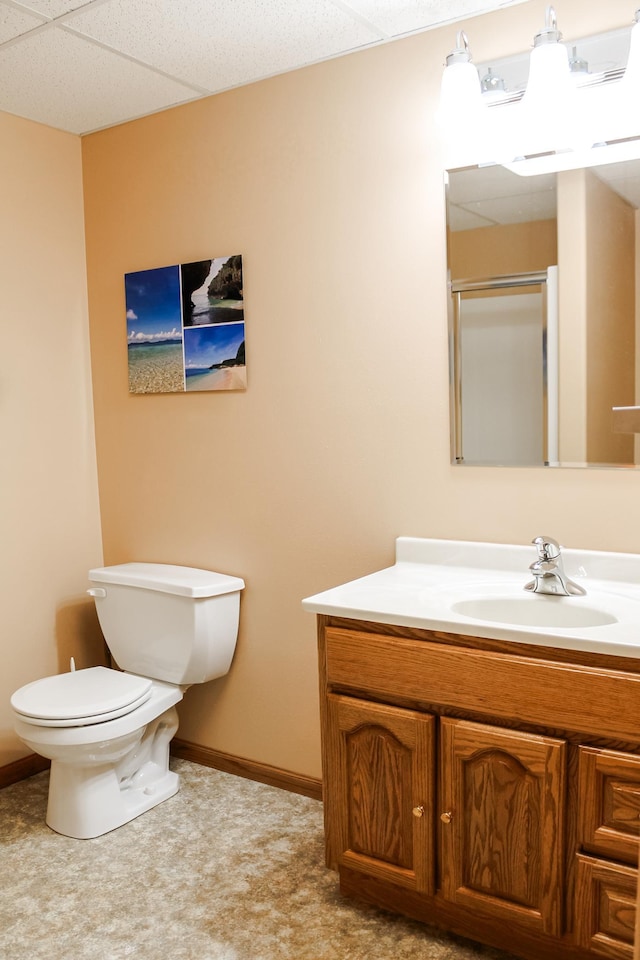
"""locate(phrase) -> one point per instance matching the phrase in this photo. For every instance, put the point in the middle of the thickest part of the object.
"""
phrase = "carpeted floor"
(228, 869)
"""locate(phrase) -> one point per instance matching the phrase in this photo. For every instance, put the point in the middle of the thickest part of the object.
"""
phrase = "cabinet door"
(379, 791)
(502, 814)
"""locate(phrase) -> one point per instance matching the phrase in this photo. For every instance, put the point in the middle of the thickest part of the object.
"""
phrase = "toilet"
(107, 731)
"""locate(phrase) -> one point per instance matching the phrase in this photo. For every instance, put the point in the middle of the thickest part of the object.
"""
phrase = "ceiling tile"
(55, 78)
(13, 23)
(535, 206)
(397, 18)
(624, 178)
(54, 8)
(461, 219)
(219, 45)
(494, 182)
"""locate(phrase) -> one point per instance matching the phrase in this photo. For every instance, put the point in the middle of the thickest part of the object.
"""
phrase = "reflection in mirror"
(543, 316)
(505, 340)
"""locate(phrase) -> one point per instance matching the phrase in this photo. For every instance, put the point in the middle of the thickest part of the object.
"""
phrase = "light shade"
(549, 105)
(461, 110)
(549, 71)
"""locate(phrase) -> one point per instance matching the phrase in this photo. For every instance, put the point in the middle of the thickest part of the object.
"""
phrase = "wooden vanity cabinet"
(488, 787)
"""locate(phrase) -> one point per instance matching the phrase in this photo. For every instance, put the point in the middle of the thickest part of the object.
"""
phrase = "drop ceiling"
(492, 196)
(81, 65)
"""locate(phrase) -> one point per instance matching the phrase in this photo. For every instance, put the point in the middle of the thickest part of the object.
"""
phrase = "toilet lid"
(81, 697)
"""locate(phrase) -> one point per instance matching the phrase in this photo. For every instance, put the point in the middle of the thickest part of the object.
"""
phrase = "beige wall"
(610, 320)
(596, 240)
(637, 309)
(327, 181)
(500, 250)
(49, 517)
(572, 307)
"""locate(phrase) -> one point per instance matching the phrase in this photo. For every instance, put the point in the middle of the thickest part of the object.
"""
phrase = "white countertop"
(429, 577)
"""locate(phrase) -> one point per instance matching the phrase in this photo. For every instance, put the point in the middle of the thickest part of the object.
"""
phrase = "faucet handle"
(548, 548)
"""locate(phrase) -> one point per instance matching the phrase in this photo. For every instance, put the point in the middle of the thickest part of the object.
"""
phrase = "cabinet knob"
(446, 817)
(418, 811)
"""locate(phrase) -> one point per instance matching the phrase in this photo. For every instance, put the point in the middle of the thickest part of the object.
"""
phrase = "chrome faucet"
(548, 571)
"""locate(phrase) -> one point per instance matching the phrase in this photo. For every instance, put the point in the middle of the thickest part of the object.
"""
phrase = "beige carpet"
(226, 870)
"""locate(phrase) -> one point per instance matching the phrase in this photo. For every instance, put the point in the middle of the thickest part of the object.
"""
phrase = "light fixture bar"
(596, 156)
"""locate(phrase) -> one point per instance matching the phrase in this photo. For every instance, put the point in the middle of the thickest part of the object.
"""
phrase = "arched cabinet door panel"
(381, 799)
(501, 823)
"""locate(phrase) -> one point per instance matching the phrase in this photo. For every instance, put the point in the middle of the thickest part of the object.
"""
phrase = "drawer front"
(609, 797)
(605, 908)
(603, 702)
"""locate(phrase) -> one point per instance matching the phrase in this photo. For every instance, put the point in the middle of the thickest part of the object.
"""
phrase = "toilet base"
(96, 790)
(86, 802)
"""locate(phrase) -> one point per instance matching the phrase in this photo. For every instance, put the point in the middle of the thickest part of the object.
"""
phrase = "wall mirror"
(543, 316)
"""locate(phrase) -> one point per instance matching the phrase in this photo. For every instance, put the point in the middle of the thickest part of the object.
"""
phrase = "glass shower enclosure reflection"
(505, 369)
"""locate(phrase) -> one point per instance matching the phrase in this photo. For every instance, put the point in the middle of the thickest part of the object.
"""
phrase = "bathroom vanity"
(483, 775)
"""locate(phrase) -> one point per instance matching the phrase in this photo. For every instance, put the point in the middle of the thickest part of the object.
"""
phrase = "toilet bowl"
(107, 732)
(104, 772)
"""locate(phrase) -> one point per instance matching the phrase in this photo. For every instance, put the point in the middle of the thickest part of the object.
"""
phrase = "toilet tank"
(166, 622)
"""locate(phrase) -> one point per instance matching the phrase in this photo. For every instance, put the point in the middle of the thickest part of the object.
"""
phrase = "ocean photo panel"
(185, 327)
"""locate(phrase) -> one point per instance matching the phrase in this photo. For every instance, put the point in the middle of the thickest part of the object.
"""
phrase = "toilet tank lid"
(168, 578)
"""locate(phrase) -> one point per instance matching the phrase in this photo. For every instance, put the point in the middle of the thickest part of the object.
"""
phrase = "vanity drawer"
(560, 695)
(605, 908)
(609, 798)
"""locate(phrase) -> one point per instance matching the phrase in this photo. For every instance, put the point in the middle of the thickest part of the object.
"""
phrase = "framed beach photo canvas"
(185, 327)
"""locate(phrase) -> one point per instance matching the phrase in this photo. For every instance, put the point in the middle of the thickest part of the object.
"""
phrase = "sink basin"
(534, 611)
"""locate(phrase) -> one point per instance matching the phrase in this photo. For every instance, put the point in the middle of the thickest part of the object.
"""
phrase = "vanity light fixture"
(565, 118)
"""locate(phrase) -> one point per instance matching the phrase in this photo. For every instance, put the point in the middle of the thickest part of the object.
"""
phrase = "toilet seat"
(81, 698)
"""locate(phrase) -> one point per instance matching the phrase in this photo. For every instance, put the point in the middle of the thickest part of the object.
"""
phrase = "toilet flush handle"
(97, 592)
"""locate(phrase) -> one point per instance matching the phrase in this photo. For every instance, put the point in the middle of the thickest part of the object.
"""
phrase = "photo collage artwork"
(185, 327)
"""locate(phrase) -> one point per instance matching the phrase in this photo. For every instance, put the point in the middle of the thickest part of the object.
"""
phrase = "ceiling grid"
(82, 65)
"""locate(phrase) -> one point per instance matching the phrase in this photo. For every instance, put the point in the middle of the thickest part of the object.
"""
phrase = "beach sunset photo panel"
(185, 327)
